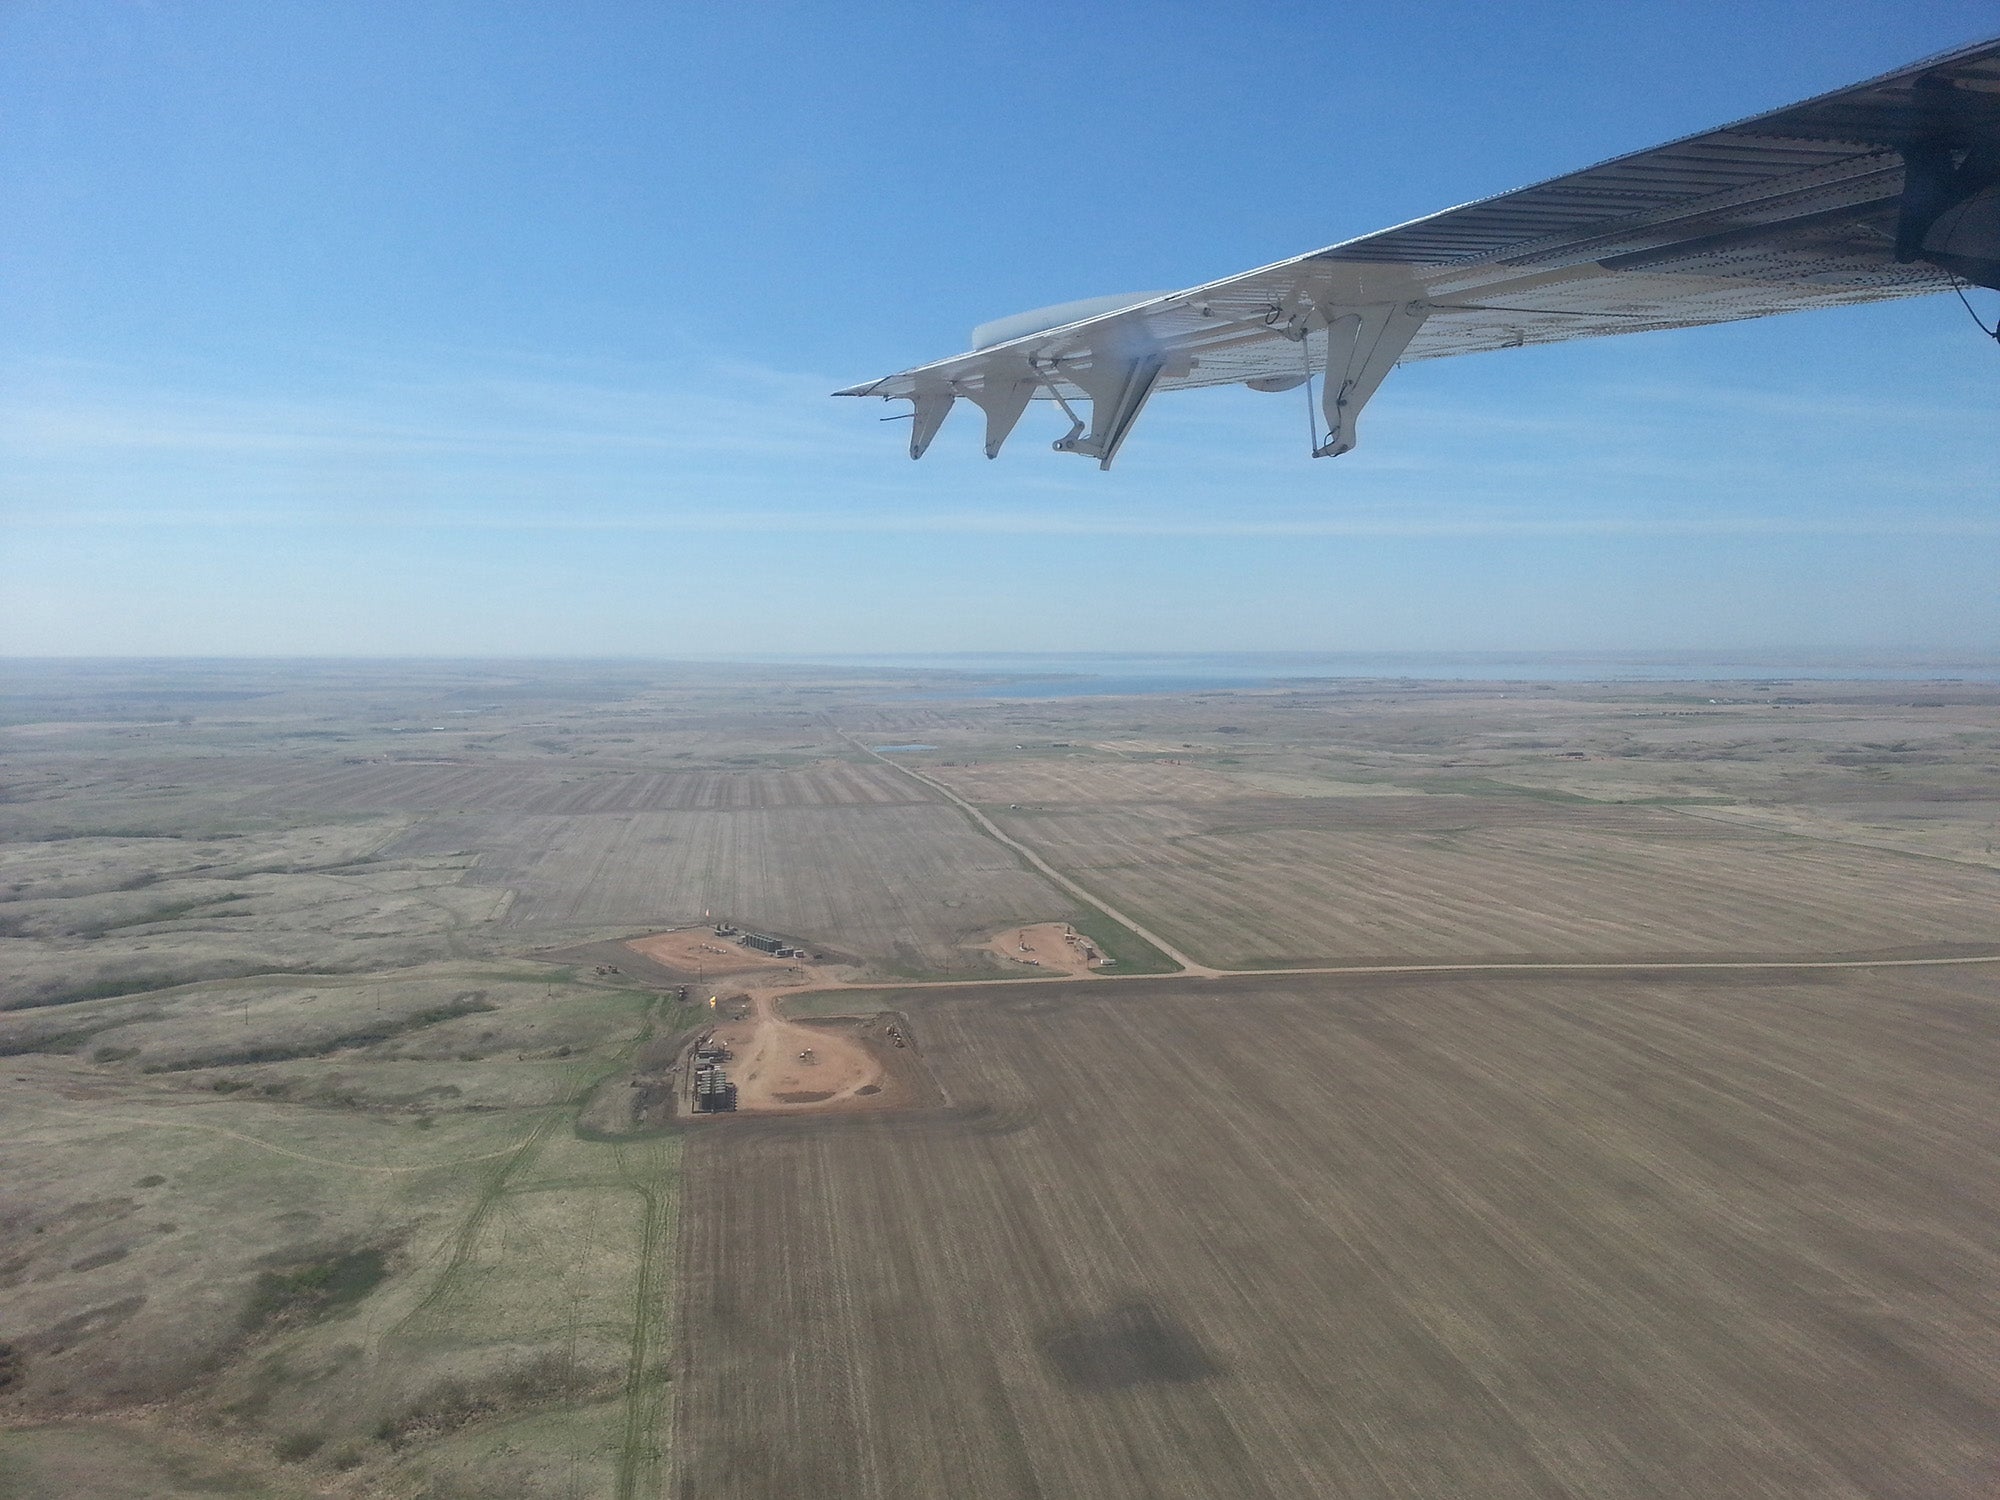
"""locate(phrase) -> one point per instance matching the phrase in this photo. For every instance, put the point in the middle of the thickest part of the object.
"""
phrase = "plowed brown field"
(558, 789)
(1496, 1238)
(1084, 781)
(1299, 882)
(902, 886)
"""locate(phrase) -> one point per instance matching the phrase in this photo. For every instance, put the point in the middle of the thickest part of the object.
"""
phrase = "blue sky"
(499, 328)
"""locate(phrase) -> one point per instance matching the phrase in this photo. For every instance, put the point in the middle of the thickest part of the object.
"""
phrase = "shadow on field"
(1133, 1344)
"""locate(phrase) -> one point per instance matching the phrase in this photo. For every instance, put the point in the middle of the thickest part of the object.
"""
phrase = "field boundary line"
(993, 831)
(1501, 966)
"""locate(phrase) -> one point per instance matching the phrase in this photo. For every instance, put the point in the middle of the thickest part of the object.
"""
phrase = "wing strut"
(1118, 389)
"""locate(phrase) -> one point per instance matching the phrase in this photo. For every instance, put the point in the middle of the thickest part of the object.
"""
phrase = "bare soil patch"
(700, 950)
(875, 1057)
(1054, 947)
(778, 1065)
(825, 1065)
(902, 1080)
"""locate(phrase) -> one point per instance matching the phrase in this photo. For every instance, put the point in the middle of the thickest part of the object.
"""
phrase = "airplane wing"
(1890, 188)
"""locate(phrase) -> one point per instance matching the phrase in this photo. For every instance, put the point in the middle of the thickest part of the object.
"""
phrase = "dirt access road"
(778, 1066)
(773, 1074)
(993, 830)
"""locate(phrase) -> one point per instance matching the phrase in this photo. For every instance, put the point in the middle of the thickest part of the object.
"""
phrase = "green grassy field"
(355, 1226)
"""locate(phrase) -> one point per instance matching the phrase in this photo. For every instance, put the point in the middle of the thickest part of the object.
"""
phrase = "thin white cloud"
(747, 448)
(1422, 522)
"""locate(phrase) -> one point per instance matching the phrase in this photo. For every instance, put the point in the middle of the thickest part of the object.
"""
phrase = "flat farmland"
(900, 886)
(1515, 1237)
(1299, 881)
(567, 789)
(1084, 781)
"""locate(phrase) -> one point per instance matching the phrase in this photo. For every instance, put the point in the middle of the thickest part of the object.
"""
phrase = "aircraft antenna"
(1973, 312)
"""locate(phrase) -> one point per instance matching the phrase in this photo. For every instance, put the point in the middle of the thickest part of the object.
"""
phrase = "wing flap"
(1803, 207)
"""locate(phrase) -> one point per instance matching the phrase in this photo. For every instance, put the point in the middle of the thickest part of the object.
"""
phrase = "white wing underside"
(1796, 209)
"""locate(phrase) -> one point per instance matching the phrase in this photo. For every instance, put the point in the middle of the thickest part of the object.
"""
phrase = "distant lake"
(1091, 674)
(897, 749)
